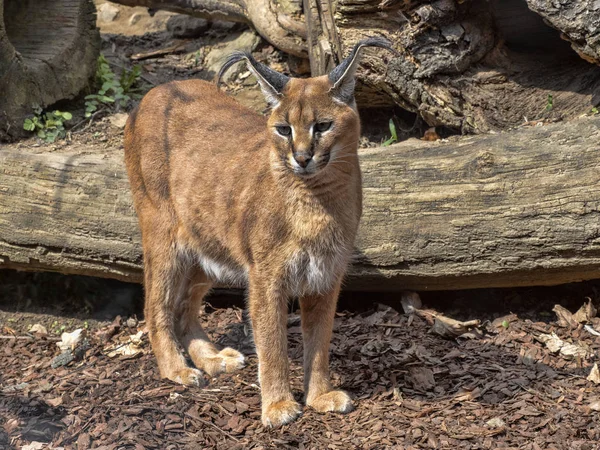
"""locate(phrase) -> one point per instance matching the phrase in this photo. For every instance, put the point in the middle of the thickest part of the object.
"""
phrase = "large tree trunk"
(470, 65)
(48, 52)
(507, 209)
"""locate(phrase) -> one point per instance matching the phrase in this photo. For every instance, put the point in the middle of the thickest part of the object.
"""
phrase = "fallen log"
(509, 209)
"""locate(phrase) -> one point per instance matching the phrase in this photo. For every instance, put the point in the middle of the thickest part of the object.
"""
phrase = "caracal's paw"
(232, 359)
(188, 377)
(280, 413)
(227, 360)
(336, 401)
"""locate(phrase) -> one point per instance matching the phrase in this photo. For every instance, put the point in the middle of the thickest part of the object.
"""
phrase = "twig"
(82, 429)
(589, 329)
(210, 424)
(91, 118)
(390, 325)
(30, 338)
(160, 52)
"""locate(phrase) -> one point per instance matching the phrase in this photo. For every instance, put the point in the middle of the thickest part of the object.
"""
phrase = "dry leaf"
(502, 321)
(39, 329)
(447, 327)
(35, 445)
(130, 349)
(55, 401)
(496, 422)
(68, 341)
(595, 405)
(565, 318)
(586, 313)
(410, 302)
(594, 375)
(431, 135)
(566, 349)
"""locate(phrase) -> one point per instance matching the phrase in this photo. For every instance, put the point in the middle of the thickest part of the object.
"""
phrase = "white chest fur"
(310, 272)
(217, 271)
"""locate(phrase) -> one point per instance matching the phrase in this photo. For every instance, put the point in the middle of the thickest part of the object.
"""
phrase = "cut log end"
(48, 52)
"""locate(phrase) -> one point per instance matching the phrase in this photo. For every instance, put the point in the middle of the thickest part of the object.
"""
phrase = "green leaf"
(67, 115)
(549, 102)
(28, 125)
(505, 323)
(393, 130)
(394, 137)
(390, 141)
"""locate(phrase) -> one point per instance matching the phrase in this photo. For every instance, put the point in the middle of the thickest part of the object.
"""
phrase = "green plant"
(49, 125)
(549, 103)
(594, 110)
(197, 58)
(394, 137)
(115, 91)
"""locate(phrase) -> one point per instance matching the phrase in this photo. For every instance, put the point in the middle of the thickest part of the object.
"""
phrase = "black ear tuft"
(271, 82)
(342, 77)
(232, 59)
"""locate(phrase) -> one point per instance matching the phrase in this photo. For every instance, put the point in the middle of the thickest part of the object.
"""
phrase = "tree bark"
(469, 65)
(578, 20)
(507, 209)
(48, 52)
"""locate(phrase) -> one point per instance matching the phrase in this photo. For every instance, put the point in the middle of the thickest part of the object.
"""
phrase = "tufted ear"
(271, 82)
(342, 77)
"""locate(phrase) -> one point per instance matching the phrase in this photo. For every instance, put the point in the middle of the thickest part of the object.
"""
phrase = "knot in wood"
(484, 163)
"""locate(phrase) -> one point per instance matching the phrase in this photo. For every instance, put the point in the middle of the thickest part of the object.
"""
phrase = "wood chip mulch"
(413, 390)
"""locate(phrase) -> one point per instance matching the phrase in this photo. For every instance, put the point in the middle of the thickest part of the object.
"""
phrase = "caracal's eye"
(321, 127)
(284, 130)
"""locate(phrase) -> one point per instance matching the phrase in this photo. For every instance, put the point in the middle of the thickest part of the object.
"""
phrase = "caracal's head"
(314, 123)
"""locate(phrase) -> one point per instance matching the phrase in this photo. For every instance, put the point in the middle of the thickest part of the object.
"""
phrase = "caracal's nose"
(302, 159)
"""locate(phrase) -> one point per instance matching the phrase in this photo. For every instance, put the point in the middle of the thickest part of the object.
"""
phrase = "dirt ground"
(497, 387)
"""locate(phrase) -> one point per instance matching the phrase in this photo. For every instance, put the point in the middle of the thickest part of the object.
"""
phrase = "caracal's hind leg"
(204, 353)
(164, 285)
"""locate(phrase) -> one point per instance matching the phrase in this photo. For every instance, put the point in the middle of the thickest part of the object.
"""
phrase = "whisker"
(339, 161)
(348, 145)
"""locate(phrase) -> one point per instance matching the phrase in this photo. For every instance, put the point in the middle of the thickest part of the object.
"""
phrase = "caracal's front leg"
(268, 312)
(317, 324)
